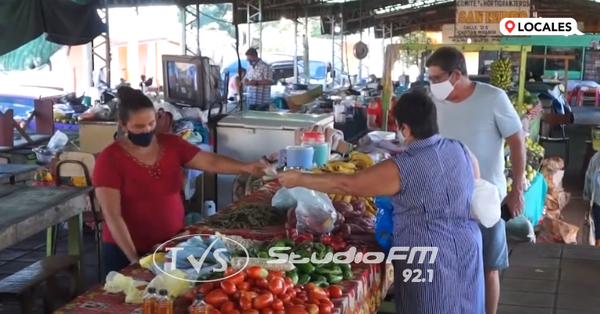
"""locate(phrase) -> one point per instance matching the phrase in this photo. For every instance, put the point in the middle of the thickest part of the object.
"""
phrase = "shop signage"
(481, 18)
(449, 36)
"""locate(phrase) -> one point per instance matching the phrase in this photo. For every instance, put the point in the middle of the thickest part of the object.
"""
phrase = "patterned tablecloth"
(362, 295)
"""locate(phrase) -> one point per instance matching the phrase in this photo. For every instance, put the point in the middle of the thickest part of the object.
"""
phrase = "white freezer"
(248, 136)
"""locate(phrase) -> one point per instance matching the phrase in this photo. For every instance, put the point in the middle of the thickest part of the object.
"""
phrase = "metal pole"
(360, 62)
(249, 17)
(198, 30)
(183, 13)
(333, 48)
(296, 52)
(260, 27)
(305, 53)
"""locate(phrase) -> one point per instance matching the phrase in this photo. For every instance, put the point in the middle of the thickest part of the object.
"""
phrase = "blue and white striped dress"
(432, 209)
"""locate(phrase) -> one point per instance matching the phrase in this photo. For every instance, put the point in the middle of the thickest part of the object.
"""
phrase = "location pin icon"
(510, 25)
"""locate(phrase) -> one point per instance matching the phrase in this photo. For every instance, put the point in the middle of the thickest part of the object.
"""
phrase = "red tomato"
(236, 296)
(315, 302)
(277, 305)
(303, 297)
(325, 309)
(309, 286)
(263, 300)
(216, 298)
(327, 302)
(251, 312)
(335, 292)
(266, 310)
(276, 273)
(229, 271)
(245, 303)
(284, 297)
(296, 310)
(190, 295)
(228, 287)
(298, 290)
(287, 304)
(279, 312)
(255, 289)
(289, 286)
(243, 286)
(262, 283)
(250, 281)
(232, 312)
(227, 306)
(288, 280)
(317, 294)
(250, 294)
(277, 286)
(205, 288)
(235, 279)
(312, 309)
(257, 272)
(297, 301)
(291, 293)
(212, 310)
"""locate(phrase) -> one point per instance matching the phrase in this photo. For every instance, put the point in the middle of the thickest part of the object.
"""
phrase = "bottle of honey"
(150, 301)
(199, 306)
(165, 304)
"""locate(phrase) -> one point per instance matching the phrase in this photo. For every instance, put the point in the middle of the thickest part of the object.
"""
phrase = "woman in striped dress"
(431, 184)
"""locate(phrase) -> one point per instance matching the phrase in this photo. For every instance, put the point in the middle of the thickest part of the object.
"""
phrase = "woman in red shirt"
(138, 180)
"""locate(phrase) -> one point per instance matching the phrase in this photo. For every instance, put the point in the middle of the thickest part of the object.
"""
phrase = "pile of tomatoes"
(258, 291)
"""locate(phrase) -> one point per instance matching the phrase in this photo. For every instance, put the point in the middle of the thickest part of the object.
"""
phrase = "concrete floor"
(542, 279)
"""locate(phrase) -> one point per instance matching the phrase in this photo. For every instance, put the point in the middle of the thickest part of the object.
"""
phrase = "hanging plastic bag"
(283, 200)
(58, 141)
(384, 225)
(485, 203)
(314, 211)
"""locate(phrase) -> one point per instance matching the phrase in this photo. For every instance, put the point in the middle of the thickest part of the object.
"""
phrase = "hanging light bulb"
(337, 29)
(468, 40)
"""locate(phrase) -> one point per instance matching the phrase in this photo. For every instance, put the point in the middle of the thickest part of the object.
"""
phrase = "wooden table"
(28, 210)
(11, 171)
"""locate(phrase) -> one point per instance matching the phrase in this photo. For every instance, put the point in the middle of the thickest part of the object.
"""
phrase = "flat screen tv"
(183, 79)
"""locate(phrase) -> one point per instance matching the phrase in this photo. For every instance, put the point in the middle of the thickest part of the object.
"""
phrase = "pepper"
(303, 254)
(323, 284)
(263, 254)
(328, 249)
(304, 279)
(293, 275)
(333, 279)
(348, 275)
(253, 252)
(326, 239)
(306, 245)
(303, 238)
(320, 250)
(329, 270)
(338, 246)
(318, 280)
(306, 268)
(345, 267)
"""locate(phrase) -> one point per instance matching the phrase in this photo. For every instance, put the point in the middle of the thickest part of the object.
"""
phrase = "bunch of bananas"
(501, 73)
(357, 161)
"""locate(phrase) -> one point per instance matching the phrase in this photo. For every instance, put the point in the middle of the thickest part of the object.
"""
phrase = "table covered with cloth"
(362, 295)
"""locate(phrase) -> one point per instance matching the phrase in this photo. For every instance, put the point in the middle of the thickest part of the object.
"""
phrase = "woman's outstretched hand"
(290, 179)
(256, 168)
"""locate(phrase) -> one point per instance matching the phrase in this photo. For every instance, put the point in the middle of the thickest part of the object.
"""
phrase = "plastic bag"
(117, 283)
(283, 200)
(314, 211)
(57, 141)
(485, 203)
(384, 225)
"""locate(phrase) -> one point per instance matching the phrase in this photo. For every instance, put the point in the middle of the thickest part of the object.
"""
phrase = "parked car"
(283, 69)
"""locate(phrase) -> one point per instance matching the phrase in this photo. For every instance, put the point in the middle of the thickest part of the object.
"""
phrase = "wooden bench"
(23, 287)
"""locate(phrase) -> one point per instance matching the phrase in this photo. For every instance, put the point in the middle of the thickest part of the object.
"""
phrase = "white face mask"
(442, 90)
(400, 136)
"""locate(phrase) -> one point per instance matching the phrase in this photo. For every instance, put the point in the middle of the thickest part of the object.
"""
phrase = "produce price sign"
(481, 18)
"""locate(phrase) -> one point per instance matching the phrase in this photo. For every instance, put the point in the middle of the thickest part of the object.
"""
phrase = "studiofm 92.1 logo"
(539, 26)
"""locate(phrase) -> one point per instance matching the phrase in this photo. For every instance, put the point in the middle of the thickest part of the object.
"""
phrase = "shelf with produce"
(535, 155)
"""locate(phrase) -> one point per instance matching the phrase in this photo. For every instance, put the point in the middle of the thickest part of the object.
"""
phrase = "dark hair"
(417, 110)
(131, 100)
(449, 59)
(252, 52)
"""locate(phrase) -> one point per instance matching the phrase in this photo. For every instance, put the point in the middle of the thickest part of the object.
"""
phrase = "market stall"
(361, 294)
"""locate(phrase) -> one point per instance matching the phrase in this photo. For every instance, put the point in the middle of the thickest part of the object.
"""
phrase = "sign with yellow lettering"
(481, 18)
(449, 36)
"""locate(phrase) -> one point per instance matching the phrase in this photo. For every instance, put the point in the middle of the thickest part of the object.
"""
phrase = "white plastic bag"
(283, 200)
(485, 203)
(314, 211)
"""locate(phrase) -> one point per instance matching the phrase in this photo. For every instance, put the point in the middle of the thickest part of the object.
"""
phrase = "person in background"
(258, 80)
(481, 116)
(138, 180)
(430, 185)
(235, 84)
(591, 191)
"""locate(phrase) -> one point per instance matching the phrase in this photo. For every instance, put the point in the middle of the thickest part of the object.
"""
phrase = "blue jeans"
(596, 216)
(113, 258)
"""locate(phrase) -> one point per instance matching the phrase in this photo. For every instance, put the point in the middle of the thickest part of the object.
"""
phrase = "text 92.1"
(417, 275)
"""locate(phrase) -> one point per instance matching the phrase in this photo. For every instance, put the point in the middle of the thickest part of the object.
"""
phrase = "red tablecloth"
(361, 295)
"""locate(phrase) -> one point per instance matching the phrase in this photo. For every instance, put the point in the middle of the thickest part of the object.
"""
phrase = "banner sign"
(449, 36)
(481, 18)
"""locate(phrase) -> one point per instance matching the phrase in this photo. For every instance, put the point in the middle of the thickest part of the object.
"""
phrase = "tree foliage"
(410, 57)
(218, 16)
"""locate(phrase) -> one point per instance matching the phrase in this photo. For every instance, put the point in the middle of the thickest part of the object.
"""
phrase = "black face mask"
(141, 139)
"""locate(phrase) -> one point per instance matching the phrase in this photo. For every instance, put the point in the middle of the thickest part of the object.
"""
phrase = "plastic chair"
(552, 121)
(81, 165)
(581, 93)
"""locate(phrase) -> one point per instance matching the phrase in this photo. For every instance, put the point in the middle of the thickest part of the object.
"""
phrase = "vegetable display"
(247, 216)
(258, 291)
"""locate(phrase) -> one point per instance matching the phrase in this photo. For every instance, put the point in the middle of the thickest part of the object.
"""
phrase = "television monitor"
(184, 80)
